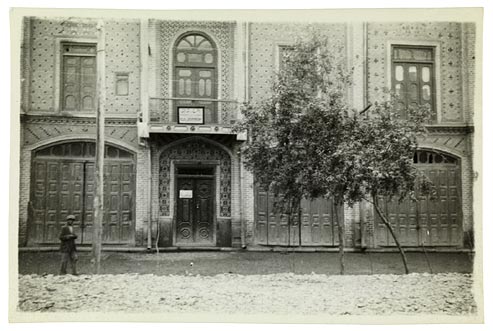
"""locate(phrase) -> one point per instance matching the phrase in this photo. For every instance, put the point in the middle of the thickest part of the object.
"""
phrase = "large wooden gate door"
(318, 222)
(195, 214)
(63, 184)
(428, 222)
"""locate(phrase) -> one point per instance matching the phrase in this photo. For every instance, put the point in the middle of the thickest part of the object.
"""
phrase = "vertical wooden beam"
(99, 162)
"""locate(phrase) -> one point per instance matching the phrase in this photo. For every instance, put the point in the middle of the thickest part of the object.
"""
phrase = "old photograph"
(241, 166)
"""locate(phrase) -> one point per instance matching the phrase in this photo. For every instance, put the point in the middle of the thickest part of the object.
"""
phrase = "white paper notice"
(186, 194)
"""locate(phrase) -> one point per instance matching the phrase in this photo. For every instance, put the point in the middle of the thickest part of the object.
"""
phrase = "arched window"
(423, 157)
(195, 79)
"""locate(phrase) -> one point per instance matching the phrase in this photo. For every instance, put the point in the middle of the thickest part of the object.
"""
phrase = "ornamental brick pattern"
(360, 47)
(220, 32)
(264, 41)
(43, 57)
(42, 61)
(198, 151)
(37, 130)
(446, 35)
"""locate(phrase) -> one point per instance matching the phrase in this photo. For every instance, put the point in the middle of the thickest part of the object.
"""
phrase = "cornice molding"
(76, 120)
(450, 129)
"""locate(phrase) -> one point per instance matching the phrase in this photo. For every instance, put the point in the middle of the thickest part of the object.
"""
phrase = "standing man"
(67, 246)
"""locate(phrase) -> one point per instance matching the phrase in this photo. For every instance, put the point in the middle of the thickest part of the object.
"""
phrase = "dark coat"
(67, 238)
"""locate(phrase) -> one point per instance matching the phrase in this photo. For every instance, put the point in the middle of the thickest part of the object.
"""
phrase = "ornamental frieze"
(37, 129)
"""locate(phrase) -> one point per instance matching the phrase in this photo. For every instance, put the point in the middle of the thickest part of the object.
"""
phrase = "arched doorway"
(195, 192)
(62, 183)
(428, 222)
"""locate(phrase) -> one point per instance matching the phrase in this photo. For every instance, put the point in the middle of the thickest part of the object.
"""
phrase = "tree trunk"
(340, 227)
(299, 223)
(389, 227)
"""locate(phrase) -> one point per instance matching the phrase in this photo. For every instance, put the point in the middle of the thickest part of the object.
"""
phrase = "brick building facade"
(173, 90)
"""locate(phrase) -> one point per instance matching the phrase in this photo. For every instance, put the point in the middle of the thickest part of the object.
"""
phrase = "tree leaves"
(305, 141)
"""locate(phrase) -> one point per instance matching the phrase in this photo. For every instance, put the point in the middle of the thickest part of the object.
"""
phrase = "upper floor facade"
(192, 76)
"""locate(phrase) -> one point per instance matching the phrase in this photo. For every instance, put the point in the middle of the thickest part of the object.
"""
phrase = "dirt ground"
(250, 283)
(249, 263)
(285, 293)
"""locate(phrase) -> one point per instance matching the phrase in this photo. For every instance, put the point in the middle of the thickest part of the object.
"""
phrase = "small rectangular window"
(284, 52)
(413, 77)
(122, 84)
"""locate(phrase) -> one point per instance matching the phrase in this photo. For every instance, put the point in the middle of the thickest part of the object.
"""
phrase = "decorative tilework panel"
(196, 150)
(221, 32)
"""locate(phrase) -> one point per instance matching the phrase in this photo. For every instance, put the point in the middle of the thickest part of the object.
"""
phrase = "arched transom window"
(195, 76)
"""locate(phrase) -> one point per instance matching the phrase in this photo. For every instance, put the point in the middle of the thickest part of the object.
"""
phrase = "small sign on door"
(186, 194)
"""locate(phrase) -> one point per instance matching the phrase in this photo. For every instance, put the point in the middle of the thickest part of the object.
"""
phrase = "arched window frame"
(191, 94)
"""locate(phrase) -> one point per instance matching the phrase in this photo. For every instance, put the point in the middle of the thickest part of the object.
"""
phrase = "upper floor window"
(195, 75)
(284, 52)
(78, 86)
(413, 79)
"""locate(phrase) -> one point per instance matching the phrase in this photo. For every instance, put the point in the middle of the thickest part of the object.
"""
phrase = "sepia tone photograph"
(247, 166)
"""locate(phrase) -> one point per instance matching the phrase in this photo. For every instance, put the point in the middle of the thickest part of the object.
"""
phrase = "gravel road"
(283, 293)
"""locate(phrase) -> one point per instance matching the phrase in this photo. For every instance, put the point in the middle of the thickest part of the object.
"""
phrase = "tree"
(309, 89)
(374, 161)
(306, 142)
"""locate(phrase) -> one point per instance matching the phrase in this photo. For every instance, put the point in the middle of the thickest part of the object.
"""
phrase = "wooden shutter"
(78, 77)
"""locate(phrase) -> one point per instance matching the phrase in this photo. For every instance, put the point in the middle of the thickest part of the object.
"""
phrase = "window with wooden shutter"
(413, 79)
(78, 77)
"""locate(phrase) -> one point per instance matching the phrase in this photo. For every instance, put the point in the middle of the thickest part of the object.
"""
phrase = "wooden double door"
(428, 221)
(317, 221)
(195, 211)
(64, 187)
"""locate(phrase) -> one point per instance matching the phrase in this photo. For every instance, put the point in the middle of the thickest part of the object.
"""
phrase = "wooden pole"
(99, 162)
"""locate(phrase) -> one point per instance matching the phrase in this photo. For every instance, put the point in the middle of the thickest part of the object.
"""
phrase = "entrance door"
(195, 213)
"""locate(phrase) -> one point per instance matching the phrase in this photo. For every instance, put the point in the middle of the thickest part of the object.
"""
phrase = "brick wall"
(40, 64)
(248, 201)
(42, 61)
(264, 41)
(142, 196)
(447, 36)
(24, 194)
(123, 56)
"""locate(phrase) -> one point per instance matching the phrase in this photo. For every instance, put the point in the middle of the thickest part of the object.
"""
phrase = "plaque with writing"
(191, 115)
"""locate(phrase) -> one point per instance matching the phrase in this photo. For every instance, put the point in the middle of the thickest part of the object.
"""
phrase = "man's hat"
(70, 217)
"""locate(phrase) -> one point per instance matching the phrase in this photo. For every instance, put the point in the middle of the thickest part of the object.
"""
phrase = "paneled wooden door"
(66, 187)
(318, 222)
(428, 222)
(195, 213)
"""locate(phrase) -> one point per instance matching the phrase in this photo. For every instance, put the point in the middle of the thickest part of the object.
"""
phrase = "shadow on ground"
(248, 263)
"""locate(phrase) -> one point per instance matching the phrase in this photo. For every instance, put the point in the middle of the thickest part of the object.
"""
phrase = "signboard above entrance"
(186, 194)
(191, 115)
